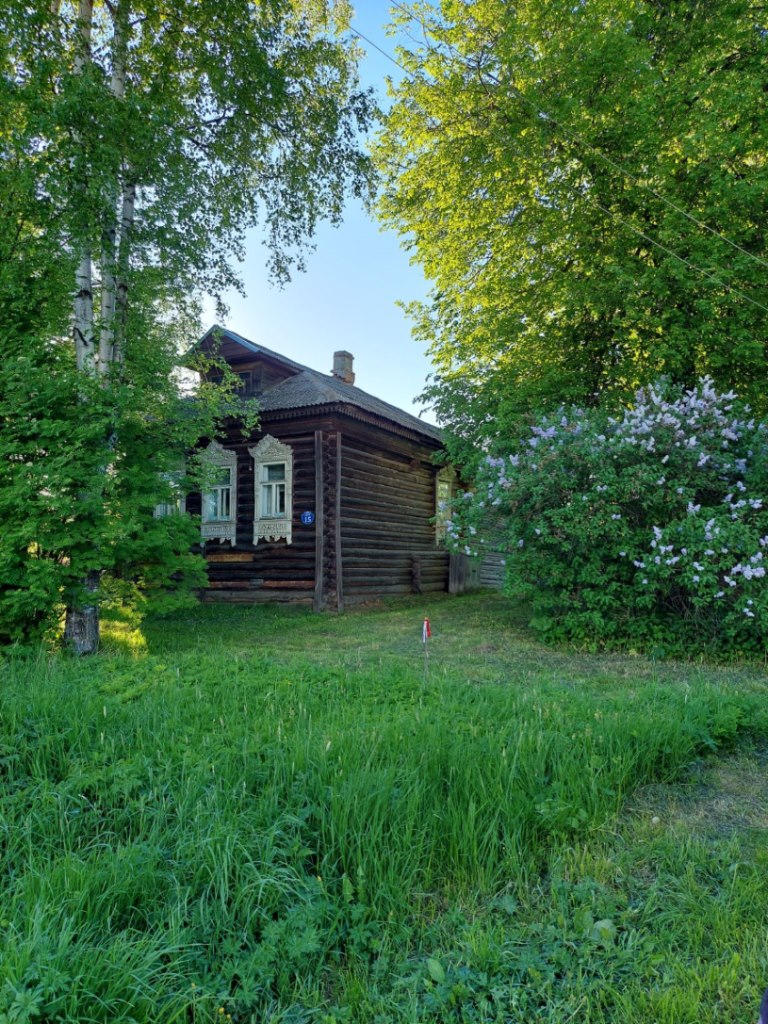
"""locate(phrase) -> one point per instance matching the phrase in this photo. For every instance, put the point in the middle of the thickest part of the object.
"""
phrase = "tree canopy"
(139, 138)
(586, 185)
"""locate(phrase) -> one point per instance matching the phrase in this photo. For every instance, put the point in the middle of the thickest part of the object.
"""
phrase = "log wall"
(373, 496)
(269, 571)
(387, 504)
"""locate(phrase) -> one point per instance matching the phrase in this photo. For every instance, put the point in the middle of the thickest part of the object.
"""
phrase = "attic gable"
(236, 349)
(283, 385)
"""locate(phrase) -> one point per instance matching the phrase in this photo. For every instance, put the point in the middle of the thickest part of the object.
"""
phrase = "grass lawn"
(264, 815)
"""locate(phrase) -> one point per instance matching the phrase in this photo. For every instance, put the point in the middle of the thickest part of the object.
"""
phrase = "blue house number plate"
(307, 518)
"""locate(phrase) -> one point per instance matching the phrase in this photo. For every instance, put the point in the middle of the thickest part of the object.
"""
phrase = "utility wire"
(682, 259)
(384, 53)
(572, 137)
(617, 217)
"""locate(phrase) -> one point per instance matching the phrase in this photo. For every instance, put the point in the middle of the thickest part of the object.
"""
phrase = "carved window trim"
(445, 489)
(270, 452)
(174, 503)
(221, 529)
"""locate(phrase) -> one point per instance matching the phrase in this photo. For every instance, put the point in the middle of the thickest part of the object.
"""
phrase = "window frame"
(272, 527)
(175, 504)
(216, 456)
(445, 477)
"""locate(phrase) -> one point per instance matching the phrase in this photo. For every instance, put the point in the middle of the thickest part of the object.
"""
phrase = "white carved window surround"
(445, 488)
(174, 500)
(273, 490)
(219, 511)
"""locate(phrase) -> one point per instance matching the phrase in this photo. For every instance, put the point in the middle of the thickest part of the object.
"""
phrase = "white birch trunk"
(83, 326)
(110, 345)
(83, 318)
(81, 629)
(127, 218)
(108, 288)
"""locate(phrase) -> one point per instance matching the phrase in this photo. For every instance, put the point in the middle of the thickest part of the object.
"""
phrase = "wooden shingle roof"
(309, 389)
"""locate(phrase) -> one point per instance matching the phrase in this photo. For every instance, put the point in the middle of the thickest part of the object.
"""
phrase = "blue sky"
(347, 297)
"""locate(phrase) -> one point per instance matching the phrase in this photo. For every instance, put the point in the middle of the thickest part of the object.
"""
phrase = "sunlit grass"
(292, 817)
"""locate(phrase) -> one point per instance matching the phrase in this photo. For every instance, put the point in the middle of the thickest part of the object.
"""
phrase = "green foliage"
(650, 527)
(546, 165)
(214, 829)
(49, 460)
(141, 156)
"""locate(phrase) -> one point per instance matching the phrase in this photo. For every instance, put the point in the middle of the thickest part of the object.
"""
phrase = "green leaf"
(436, 971)
(604, 932)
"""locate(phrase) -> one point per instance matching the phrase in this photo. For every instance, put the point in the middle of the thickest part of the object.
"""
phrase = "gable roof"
(308, 388)
(250, 346)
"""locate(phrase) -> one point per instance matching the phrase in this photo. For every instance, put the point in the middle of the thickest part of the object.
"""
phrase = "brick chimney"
(342, 367)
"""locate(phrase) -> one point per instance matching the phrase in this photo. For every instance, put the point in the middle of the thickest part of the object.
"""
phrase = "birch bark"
(127, 217)
(114, 255)
(83, 312)
(81, 626)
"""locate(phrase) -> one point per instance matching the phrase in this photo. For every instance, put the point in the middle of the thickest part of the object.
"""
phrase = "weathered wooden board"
(288, 584)
(225, 557)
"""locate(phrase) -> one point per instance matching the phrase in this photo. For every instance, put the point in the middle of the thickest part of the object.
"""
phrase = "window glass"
(273, 490)
(217, 503)
(445, 484)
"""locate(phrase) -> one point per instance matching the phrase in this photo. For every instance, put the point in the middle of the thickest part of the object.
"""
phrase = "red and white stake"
(426, 633)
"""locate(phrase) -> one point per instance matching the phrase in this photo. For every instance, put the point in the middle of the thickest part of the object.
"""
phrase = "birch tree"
(151, 133)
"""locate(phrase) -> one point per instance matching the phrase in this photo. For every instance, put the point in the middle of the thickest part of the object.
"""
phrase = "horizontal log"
(218, 557)
(372, 441)
(290, 584)
(428, 560)
(282, 579)
(354, 470)
(362, 519)
(256, 597)
(379, 579)
(391, 484)
(229, 585)
(353, 465)
(389, 589)
(409, 529)
(382, 503)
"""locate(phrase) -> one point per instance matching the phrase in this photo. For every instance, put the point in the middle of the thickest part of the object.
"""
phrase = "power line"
(589, 196)
(617, 217)
(682, 259)
(571, 136)
(384, 53)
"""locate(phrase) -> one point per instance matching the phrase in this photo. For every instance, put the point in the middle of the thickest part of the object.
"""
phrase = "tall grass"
(268, 835)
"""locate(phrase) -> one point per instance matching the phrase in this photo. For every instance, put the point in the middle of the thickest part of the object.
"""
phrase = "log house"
(333, 499)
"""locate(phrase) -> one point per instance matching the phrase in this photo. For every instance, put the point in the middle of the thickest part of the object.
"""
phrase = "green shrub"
(651, 526)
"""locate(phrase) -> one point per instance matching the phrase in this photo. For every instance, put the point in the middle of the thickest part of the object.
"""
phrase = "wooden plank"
(458, 571)
(217, 557)
(337, 553)
(288, 584)
(319, 522)
(229, 585)
(256, 597)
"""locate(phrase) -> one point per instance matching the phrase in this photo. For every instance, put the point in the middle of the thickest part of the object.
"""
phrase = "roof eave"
(361, 415)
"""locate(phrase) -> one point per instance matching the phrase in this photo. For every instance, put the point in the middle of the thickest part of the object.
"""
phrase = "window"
(273, 490)
(219, 511)
(445, 486)
(273, 497)
(217, 502)
(174, 503)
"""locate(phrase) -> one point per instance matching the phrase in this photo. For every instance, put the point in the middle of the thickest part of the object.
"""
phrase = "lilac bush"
(651, 526)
